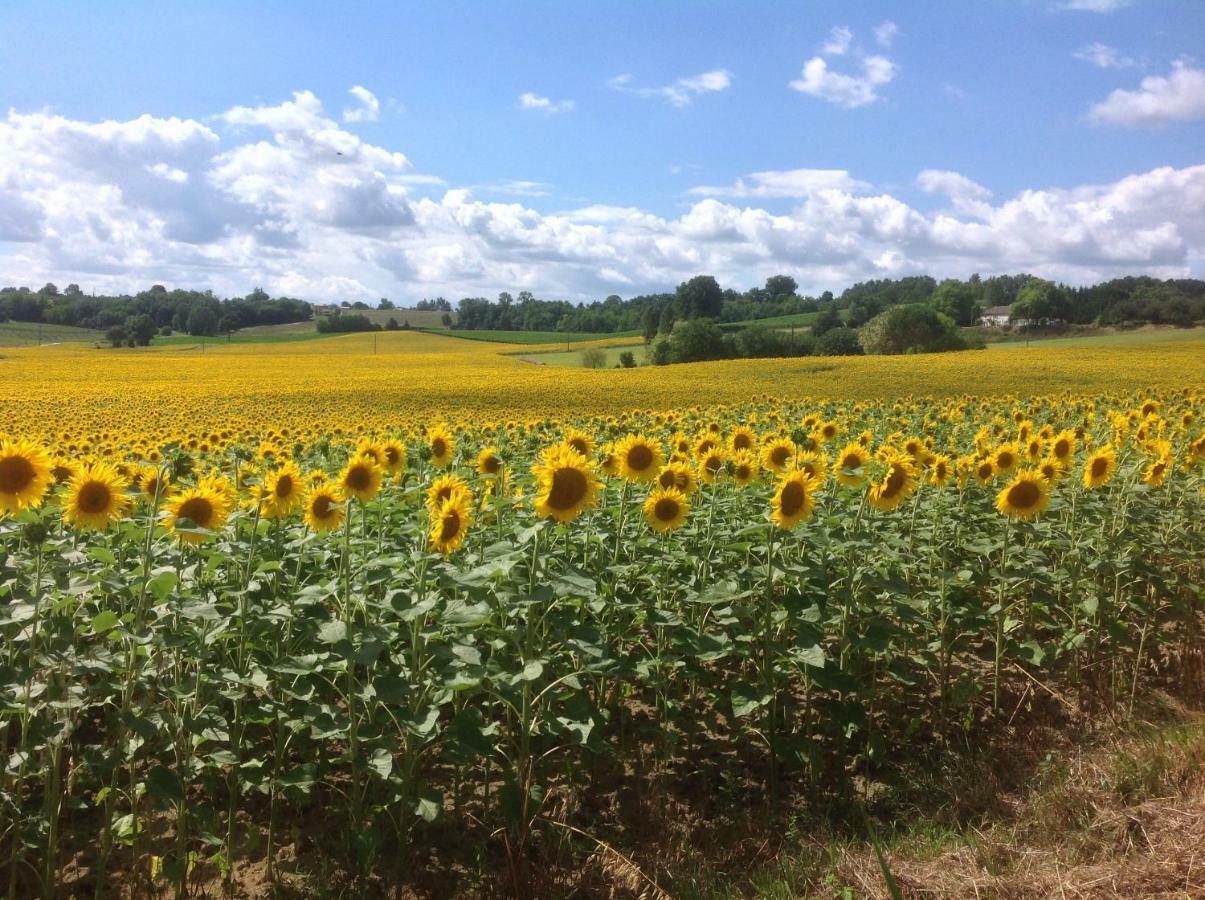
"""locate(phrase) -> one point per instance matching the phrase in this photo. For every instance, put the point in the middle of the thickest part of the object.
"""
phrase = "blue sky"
(893, 137)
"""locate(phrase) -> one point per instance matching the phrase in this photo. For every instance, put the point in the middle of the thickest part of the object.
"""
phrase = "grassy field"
(1136, 337)
(537, 337)
(27, 334)
(574, 357)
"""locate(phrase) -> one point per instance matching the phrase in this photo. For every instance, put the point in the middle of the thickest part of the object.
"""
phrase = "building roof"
(996, 311)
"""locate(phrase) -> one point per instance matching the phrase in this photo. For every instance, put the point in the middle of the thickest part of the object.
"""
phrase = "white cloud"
(849, 91)
(1104, 57)
(285, 197)
(369, 109)
(838, 41)
(679, 93)
(1096, 6)
(954, 90)
(529, 100)
(885, 32)
(789, 183)
(1178, 97)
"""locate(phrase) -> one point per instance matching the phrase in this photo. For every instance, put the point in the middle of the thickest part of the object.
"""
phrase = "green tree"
(839, 342)
(828, 318)
(958, 300)
(202, 321)
(1039, 300)
(141, 329)
(779, 285)
(700, 298)
(910, 328)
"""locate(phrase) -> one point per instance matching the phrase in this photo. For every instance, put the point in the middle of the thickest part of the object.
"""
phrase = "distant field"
(535, 337)
(25, 334)
(574, 357)
(1115, 339)
(798, 319)
(418, 318)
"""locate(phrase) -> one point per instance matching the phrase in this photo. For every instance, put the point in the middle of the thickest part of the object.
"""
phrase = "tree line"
(154, 311)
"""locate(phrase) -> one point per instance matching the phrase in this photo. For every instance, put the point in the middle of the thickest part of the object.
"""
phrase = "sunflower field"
(372, 634)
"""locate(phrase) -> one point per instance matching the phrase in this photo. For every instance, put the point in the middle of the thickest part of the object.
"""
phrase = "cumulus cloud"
(281, 195)
(529, 100)
(1104, 57)
(679, 93)
(1178, 97)
(841, 88)
(849, 91)
(369, 109)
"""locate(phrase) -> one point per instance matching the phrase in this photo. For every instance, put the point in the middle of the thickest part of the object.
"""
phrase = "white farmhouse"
(996, 315)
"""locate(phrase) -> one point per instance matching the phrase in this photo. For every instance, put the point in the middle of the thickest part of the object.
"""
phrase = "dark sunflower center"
(742, 442)
(321, 507)
(779, 455)
(197, 510)
(392, 455)
(449, 526)
(667, 479)
(1024, 495)
(568, 488)
(579, 445)
(492, 465)
(666, 509)
(284, 486)
(94, 497)
(895, 480)
(1005, 460)
(851, 461)
(1100, 465)
(791, 499)
(16, 474)
(640, 457)
(359, 478)
(439, 448)
(1062, 448)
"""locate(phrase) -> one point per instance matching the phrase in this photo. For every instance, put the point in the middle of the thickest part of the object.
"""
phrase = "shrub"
(911, 328)
(662, 352)
(840, 342)
(594, 358)
(762, 342)
(697, 340)
(627, 359)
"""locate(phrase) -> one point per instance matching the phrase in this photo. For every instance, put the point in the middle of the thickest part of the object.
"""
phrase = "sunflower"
(393, 458)
(1051, 469)
(666, 509)
(324, 508)
(451, 523)
(742, 438)
(567, 483)
(443, 489)
(96, 498)
(154, 483)
(1158, 470)
(205, 506)
(579, 441)
(489, 462)
(282, 492)
(941, 470)
(677, 475)
(985, 471)
(1025, 496)
(826, 432)
(744, 467)
(793, 501)
(814, 464)
(849, 464)
(63, 470)
(639, 458)
(777, 454)
(711, 465)
(360, 478)
(1099, 467)
(1062, 447)
(1005, 458)
(24, 475)
(442, 445)
(898, 483)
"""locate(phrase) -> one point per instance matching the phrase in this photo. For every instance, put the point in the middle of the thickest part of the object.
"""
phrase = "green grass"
(26, 334)
(250, 336)
(1112, 339)
(798, 319)
(573, 358)
(531, 337)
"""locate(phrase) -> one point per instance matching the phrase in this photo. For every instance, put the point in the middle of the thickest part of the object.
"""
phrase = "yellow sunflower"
(666, 509)
(1005, 458)
(451, 523)
(489, 462)
(324, 508)
(639, 458)
(742, 438)
(1025, 496)
(793, 501)
(778, 453)
(941, 470)
(1156, 473)
(96, 498)
(711, 465)
(442, 445)
(898, 483)
(849, 464)
(24, 476)
(744, 467)
(1099, 467)
(567, 483)
(393, 458)
(814, 464)
(985, 471)
(282, 493)
(443, 489)
(361, 478)
(205, 505)
(1063, 446)
(579, 441)
(677, 475)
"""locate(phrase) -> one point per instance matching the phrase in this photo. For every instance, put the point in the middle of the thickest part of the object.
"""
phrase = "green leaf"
(103, 621)
(164, 784)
